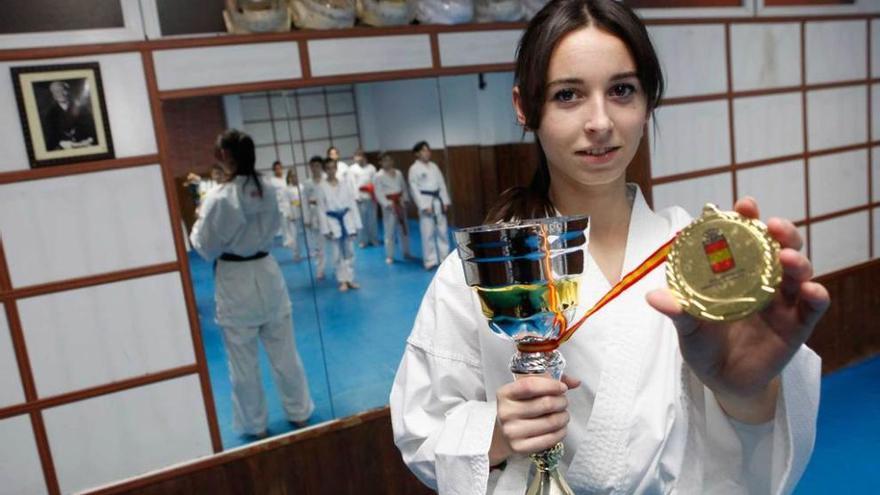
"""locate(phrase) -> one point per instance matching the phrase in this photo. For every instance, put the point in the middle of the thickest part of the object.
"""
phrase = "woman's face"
(594, 111)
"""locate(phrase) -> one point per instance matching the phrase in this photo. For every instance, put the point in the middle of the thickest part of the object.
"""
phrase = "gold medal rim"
(692, 302)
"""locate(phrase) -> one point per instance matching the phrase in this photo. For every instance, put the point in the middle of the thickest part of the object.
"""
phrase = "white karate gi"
(338, 200)
(251, 300)
(315, 240)
(362, 176)
(289, 199)
(391, 184)
(429, 193)
(641, 422)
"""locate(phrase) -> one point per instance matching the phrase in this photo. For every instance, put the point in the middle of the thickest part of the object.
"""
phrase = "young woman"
(236, 226)
(392, 197)
(340, 224)
(430, 196)
(290, 199)
(653, 401)
(312, 193)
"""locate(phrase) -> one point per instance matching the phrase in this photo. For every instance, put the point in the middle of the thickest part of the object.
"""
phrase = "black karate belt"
(235, 257)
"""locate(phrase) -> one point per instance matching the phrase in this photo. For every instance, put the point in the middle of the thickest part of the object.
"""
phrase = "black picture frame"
(63, 113)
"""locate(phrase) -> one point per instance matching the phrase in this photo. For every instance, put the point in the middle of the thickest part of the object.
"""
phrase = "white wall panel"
(265, 156)
(318, 148)
(11, 391)
(181, 68)
(693, 194)
(875, 112)
(459, 96)
(838, 182)
(397, 114)
(86, 224)
(690, 137)
(341, 102)
(478, 48)
(343, 125)
(254, 108)
(315, 128)
(692, 57)
(282, 107)
(287, 131)
(778, 188)
(97, 335)
(346, 146)
(875, 174)
(261, 132)
(333, 57)
(839, 242)
(835, 51)
(835, 117)
(120, 435)
(875, 48)
(20, 469)
(125, 93)
(768, 126)
(765, 55)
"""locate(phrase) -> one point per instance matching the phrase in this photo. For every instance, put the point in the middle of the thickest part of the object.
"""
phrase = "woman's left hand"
(741, 361)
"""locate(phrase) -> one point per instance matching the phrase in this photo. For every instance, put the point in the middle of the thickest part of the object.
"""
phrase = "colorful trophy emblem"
(526, 275)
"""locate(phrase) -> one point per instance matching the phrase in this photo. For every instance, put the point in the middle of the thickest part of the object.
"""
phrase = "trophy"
(526, 274)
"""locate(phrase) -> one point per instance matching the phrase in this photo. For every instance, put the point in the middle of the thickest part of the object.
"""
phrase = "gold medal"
(723, 266)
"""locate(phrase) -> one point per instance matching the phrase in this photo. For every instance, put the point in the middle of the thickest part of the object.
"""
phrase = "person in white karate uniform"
(390, 189)
(312, 197)
(341, 166)
(361, 174)
(277, 180)
(291, 207)
(652, 400)
(431, 198)
(236, 227)
(339, 224)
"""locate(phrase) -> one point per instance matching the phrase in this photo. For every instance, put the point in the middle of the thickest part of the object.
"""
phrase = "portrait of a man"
(63, 113)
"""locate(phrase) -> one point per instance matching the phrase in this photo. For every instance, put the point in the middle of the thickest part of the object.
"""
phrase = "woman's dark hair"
(557, 19)
(418, 146)
(240, 147)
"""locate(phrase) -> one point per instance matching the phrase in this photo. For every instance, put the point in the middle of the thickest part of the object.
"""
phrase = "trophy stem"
(547, 480)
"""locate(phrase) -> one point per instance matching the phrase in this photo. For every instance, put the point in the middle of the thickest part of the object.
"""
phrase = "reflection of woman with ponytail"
(236, 227)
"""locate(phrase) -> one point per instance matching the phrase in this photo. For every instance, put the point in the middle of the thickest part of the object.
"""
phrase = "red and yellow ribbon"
(628, 280)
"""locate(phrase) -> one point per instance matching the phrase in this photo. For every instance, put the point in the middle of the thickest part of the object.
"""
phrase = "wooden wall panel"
(465, 181)
(352, 456)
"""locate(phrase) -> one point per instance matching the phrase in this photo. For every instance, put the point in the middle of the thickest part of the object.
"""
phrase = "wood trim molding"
(87, 281)
(77, 168)
(16, 335)
(37, 404)
(180, 248)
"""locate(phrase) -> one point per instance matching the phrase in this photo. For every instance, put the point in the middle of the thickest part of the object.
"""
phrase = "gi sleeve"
(220, 217)
(420, 200)
(444, 194)
(766, 458)
(442, 422)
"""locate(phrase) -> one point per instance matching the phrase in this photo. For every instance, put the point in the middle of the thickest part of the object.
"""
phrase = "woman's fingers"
(785, 233)
(814, 301)
(571, 382)
(524, 429)
(747, 207)
(663, 301)
(532, 445)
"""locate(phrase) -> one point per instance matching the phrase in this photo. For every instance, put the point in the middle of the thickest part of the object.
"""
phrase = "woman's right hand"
(532, 416)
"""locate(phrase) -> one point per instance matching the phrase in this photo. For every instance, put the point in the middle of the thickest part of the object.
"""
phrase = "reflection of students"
(340, 224)
(200, 187)
(360, 174)
(390, 188)
(68, 122)
(236, 226)
(666, 404)
(312, 196)
(429, 194)
(341, 167)
(290, 207)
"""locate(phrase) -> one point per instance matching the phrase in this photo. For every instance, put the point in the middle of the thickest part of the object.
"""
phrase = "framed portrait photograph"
(63, 114)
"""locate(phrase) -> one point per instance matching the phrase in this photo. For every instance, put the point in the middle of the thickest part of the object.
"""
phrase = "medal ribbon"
(653, 261)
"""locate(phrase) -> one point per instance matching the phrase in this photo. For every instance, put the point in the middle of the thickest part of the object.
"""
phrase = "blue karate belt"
(339, 216)
(435, 194)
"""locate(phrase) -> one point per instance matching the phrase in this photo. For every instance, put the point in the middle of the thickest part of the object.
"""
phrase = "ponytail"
(532, 201)
(240, 147)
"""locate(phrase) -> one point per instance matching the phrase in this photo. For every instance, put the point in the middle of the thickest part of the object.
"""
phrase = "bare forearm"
(755, 409)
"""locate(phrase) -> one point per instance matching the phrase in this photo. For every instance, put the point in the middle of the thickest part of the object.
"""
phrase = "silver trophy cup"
(526, 274)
